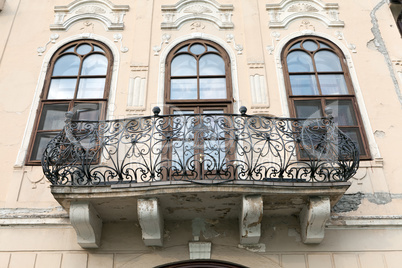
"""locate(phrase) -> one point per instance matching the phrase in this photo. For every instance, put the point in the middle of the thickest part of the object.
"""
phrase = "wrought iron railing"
(199, 147)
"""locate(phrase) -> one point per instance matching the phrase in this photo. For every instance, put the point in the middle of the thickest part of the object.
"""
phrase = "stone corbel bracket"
(87, 224)
(151, 221)
(250, 219)
(174, 16)
(313, 218)
(287, 11)
(103, 10)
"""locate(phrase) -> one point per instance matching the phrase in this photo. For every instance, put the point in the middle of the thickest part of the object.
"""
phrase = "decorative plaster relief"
(136, 92)
(52, 39)
(341, 36)
(275, 37)
(103, 10)
(258, 88)
(118, 38)
(165, 40)
(200, 250)
(231, 39)
(282, 14)
(174, 16)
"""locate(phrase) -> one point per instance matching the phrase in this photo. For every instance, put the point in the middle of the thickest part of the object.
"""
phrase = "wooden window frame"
(186, 102)
(321, 97)
(70, 102)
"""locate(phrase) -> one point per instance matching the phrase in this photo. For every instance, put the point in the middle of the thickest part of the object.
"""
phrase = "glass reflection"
(94, 65)
(310, 45)
(303, 85)
(66, 65)
(343, 112)
(184, 65)
(213, 88)
(308, 108)
(212, 64)
(62, 88)
(197, 49)
(181, 89)
(84, 49)
(299, 61)
(53, 116)
(332, 84)
(41, 141)
(327, 61)
(91, 88)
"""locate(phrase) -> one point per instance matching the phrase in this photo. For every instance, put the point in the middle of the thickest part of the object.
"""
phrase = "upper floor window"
(316, 77)
(198, 71)
(77, 79)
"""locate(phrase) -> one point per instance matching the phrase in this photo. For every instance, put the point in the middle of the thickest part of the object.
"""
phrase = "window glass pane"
(181, 89)
(96, 48)
(84, 49)
(354, 134)
(197, 49)
(327, 61)
(91, 88)
(297, 45)
(184, 65)
(53, 116)
(71, 49)
(209, 48)
(332, 84)
(87, 111)
(216, 130)
(303, 85)
(343, 112)
(62, 88)
(299, 61)
(213, 88)
(308, 108)
(41, 141)
(183, 49)
(322, 45)
(212, 64)
(94, 65)
(66, 65)
(310, 45)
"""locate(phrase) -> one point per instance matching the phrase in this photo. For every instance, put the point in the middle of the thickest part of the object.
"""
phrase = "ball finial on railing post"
(328, 112)
(156, 110)
(68, 117)
(243, 110)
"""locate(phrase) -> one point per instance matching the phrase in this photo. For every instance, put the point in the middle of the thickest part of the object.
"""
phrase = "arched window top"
(316, 77)
(78, 79)
(198, 70)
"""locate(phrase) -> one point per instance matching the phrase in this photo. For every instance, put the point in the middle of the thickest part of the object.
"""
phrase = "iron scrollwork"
(197, 147)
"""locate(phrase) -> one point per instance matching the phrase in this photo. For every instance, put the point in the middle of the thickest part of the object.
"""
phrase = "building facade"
(128, 144)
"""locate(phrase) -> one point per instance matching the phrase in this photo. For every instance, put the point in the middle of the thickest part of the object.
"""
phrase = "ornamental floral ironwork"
(199, 147)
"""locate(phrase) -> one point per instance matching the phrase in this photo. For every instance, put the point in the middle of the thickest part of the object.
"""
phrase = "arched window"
(77, 79)
(198, 76)
(316, 77)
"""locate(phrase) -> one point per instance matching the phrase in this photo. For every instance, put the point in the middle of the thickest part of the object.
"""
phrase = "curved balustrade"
(217, 147)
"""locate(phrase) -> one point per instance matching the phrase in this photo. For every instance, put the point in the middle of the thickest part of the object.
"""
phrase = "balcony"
(186, 166)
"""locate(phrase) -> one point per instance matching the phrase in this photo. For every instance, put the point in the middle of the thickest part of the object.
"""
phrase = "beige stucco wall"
(25, 193)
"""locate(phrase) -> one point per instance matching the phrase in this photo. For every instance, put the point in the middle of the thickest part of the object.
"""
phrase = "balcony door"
(198, 95)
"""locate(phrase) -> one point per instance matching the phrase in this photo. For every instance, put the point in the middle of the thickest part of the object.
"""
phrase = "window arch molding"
(23, 151)
(233, 65)
(374, 151)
